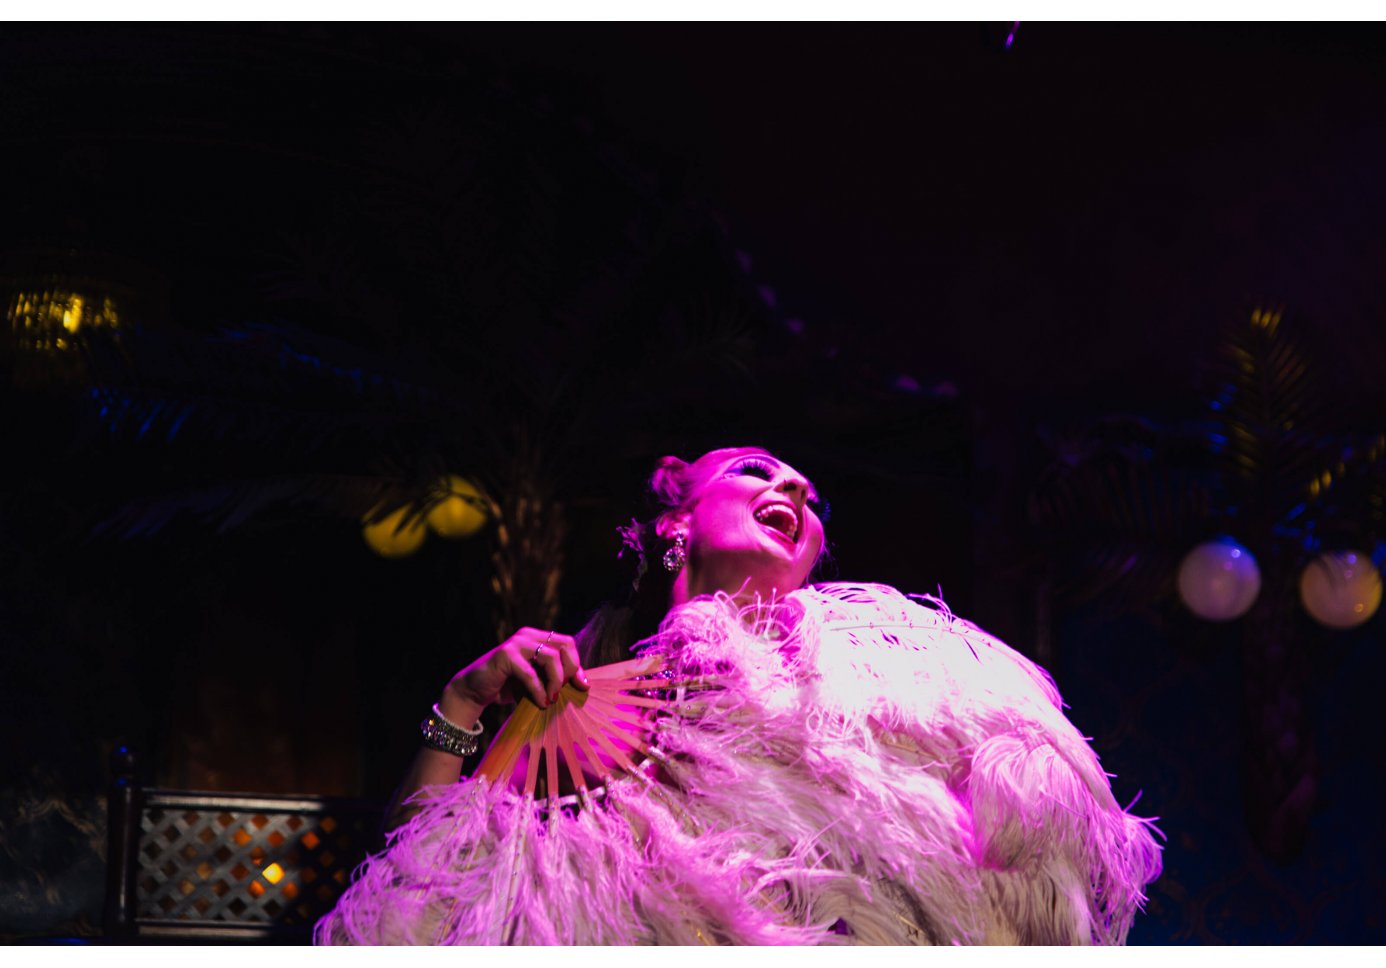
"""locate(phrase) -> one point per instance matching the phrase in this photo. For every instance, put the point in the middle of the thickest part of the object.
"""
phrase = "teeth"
(766, 511)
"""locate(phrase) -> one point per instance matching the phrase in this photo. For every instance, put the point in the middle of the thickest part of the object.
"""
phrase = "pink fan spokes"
(596, 735)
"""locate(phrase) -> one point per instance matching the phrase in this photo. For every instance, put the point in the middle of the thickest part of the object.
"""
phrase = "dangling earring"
(677, 555)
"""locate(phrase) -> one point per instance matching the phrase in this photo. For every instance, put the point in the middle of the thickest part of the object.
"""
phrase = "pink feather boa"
(870, 771)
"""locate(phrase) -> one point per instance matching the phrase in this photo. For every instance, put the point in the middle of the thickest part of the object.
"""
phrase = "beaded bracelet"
(442, 734)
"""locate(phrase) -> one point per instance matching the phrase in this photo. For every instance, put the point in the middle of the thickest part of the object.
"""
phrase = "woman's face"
(750, 525)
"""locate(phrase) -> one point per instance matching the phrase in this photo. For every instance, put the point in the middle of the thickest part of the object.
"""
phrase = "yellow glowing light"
(391, 537)
(459, 514)
(72, 314)
(273, 873)
(42, 319)
(1266, 319)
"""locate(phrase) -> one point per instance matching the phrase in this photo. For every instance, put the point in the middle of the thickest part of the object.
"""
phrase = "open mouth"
(780, 518)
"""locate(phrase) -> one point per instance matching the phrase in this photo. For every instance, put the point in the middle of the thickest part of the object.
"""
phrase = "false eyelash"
(752, 463)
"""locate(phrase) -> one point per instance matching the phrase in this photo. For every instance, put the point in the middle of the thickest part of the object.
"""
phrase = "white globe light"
(1340, 589)
(1218, 580)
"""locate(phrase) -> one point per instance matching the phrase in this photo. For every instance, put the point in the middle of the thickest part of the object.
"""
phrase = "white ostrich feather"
(868, 770)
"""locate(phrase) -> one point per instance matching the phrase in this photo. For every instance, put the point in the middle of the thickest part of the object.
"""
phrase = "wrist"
(442, 734)
(462, 710)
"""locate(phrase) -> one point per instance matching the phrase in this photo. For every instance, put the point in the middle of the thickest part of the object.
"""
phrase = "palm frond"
(1343, 503)
(1119, 503)
(227, 504)
(1269, 396)
(270, 386)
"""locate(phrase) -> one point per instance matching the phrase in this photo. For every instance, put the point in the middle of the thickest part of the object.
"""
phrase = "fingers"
(527, 675)
(567, 649)
(533, 662)
(554, 657)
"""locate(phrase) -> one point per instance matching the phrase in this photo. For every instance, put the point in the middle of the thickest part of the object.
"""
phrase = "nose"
(795, 487)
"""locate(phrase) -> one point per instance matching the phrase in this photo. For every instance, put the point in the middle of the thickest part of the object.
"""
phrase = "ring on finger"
(546, 640)
(538, 650)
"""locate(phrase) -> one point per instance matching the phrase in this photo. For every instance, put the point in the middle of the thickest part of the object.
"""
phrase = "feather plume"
(867, 769)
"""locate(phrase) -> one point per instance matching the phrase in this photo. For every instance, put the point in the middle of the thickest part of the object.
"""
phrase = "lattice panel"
(244, 867)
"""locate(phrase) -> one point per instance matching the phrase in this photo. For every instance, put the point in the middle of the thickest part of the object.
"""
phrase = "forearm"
(432, 767)
(532, 662)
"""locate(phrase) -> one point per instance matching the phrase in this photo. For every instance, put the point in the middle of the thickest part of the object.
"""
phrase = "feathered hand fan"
(599, 733)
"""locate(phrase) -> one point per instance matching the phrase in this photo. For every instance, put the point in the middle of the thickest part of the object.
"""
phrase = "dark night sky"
(1068, 220)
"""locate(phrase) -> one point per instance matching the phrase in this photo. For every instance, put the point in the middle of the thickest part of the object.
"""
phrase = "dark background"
(905, 256)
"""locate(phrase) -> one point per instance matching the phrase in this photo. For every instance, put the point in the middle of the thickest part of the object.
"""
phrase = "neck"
(743, 591)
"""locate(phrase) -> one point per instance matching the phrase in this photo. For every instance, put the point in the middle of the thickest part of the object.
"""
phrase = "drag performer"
(839, 764)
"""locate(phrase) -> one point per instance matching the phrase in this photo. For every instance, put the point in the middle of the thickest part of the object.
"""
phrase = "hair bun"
(668, 481)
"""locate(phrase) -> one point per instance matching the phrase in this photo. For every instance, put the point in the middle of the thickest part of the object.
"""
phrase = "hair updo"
(670, 482)
(674, 480)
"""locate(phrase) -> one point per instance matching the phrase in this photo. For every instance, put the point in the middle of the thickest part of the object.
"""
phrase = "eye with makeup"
(763, 469)
(755, 467)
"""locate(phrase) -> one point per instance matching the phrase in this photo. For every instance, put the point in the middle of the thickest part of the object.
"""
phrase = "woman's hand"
(532, 662)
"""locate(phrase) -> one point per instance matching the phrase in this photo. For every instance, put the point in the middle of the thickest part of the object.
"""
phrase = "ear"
(671, 523)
